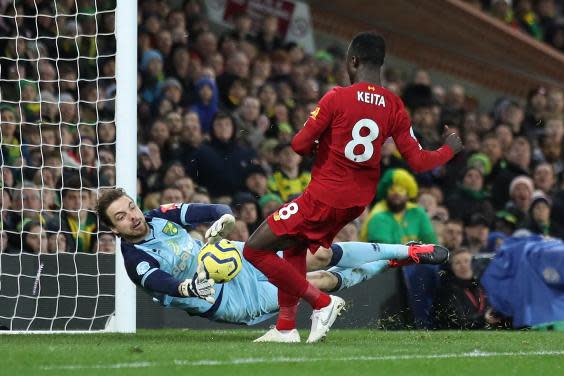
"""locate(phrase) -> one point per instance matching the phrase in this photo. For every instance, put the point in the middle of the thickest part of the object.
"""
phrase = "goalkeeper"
(161, 257)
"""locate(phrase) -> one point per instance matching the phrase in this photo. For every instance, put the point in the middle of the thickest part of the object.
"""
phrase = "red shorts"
(312, 220)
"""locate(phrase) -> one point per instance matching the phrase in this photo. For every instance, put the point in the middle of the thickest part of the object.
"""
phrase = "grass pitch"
(345, 352)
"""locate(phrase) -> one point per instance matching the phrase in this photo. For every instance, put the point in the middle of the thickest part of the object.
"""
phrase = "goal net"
(58, 149)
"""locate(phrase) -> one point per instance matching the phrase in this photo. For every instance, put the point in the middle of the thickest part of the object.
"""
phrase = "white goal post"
(65, 290)
(124, 319)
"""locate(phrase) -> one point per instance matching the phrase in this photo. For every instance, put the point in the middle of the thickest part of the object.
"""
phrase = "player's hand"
(452, 140)
(199, 286)
(220, 228)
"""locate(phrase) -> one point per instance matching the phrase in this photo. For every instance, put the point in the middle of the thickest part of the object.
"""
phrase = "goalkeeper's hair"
(107, 197)
(369, 47)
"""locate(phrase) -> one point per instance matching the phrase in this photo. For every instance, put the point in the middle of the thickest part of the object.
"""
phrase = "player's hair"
(369, 47)
(107, 197)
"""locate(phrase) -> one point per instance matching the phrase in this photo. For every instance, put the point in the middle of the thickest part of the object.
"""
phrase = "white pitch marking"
(238, 361)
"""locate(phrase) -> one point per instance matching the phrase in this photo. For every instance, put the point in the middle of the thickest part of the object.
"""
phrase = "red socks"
(288, 275)
(317, 298)
(287, 318)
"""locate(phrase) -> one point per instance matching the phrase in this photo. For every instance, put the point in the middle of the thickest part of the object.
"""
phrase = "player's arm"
(304, 141)
(421, 160)
(144, 271)
(191, 214)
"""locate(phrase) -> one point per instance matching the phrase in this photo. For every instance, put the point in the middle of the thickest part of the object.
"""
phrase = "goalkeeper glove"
(199, 286)
(220, 228)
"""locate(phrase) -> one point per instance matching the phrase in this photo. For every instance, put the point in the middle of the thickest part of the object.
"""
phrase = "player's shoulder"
(334, 91)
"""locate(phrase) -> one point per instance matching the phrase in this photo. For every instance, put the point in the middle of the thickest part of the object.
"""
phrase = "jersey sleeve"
(144, 271)
(190, 214)
(319, 120)
(418, 159)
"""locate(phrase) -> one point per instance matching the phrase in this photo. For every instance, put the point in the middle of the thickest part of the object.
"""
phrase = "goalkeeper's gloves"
(199, 286)
(220, 228)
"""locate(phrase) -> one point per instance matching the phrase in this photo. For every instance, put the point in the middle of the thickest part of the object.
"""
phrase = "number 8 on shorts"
(287, 211)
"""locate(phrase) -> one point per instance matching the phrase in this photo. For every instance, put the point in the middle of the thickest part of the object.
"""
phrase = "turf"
(345, 352)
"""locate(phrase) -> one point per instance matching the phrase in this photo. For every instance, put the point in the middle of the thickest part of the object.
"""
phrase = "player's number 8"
(287, 211)
(365, 141)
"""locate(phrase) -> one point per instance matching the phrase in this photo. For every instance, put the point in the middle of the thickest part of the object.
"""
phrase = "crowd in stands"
(541, 19)
(216, 112)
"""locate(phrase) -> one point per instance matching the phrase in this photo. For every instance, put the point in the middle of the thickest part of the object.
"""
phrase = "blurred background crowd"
(217, 110)
(541, 19)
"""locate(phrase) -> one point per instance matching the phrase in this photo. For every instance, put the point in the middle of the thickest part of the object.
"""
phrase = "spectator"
(4, 243)
(544, 178)
(234, 158)
(201, 162)
(11, 152)
(150, 164)
(56, 242)
(186, 186)
(516, 163)
(240, 232)
(288, 180)
(476, 234)
(207, 103)
(453, 234)
(539, 214)
(106, 242)
(256, 180)
(246, 208)
(269, 203)
(535, 112)
(552, 152)
(470, 197)
(250, 123)
(554, 103)
(501, 9)
(521, 193)
(171, 90)
(152, 66)
(171, 195)
(268, 38)
(460, 302)
(76, 221)
(394, 219)
(505, 223)
(527, 19)
(34, 237)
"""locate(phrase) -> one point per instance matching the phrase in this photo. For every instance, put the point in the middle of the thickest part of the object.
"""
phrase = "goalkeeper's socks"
(355, 254)
(349, 277)
(287, 318)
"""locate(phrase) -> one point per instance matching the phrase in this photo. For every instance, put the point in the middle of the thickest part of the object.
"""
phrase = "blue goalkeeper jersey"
(168, 255)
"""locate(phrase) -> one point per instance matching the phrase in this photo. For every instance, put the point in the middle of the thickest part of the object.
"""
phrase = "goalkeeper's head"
(121, 214)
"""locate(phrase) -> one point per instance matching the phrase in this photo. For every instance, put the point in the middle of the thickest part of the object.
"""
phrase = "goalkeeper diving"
(161, 257)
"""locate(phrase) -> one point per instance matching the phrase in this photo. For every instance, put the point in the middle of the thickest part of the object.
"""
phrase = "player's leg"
(285, 329)
(260, 250)
(295, 256)
(356, 254)
(349, 277)
(336, 278)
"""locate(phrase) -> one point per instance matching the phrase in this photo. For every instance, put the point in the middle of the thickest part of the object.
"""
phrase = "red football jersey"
(351, 124)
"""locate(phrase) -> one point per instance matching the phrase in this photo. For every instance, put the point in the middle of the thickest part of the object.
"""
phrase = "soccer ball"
(221, 261)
